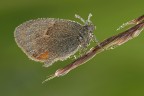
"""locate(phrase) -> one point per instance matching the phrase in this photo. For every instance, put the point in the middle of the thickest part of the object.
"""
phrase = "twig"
(109, 43)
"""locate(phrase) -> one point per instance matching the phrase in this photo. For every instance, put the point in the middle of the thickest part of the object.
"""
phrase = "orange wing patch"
(43, 56)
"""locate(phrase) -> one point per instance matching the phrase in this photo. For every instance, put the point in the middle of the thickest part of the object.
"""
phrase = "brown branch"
(111, 42)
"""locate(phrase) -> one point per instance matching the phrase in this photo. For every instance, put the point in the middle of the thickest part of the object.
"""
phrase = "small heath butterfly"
(49, 39)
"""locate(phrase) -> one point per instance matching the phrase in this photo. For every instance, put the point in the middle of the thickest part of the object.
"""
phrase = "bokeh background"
(118, 72)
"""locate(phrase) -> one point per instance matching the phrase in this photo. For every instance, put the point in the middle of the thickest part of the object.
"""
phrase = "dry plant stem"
(132, 22)
(106, 44)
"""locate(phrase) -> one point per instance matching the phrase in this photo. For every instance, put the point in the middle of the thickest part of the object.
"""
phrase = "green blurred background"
(118, 72)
